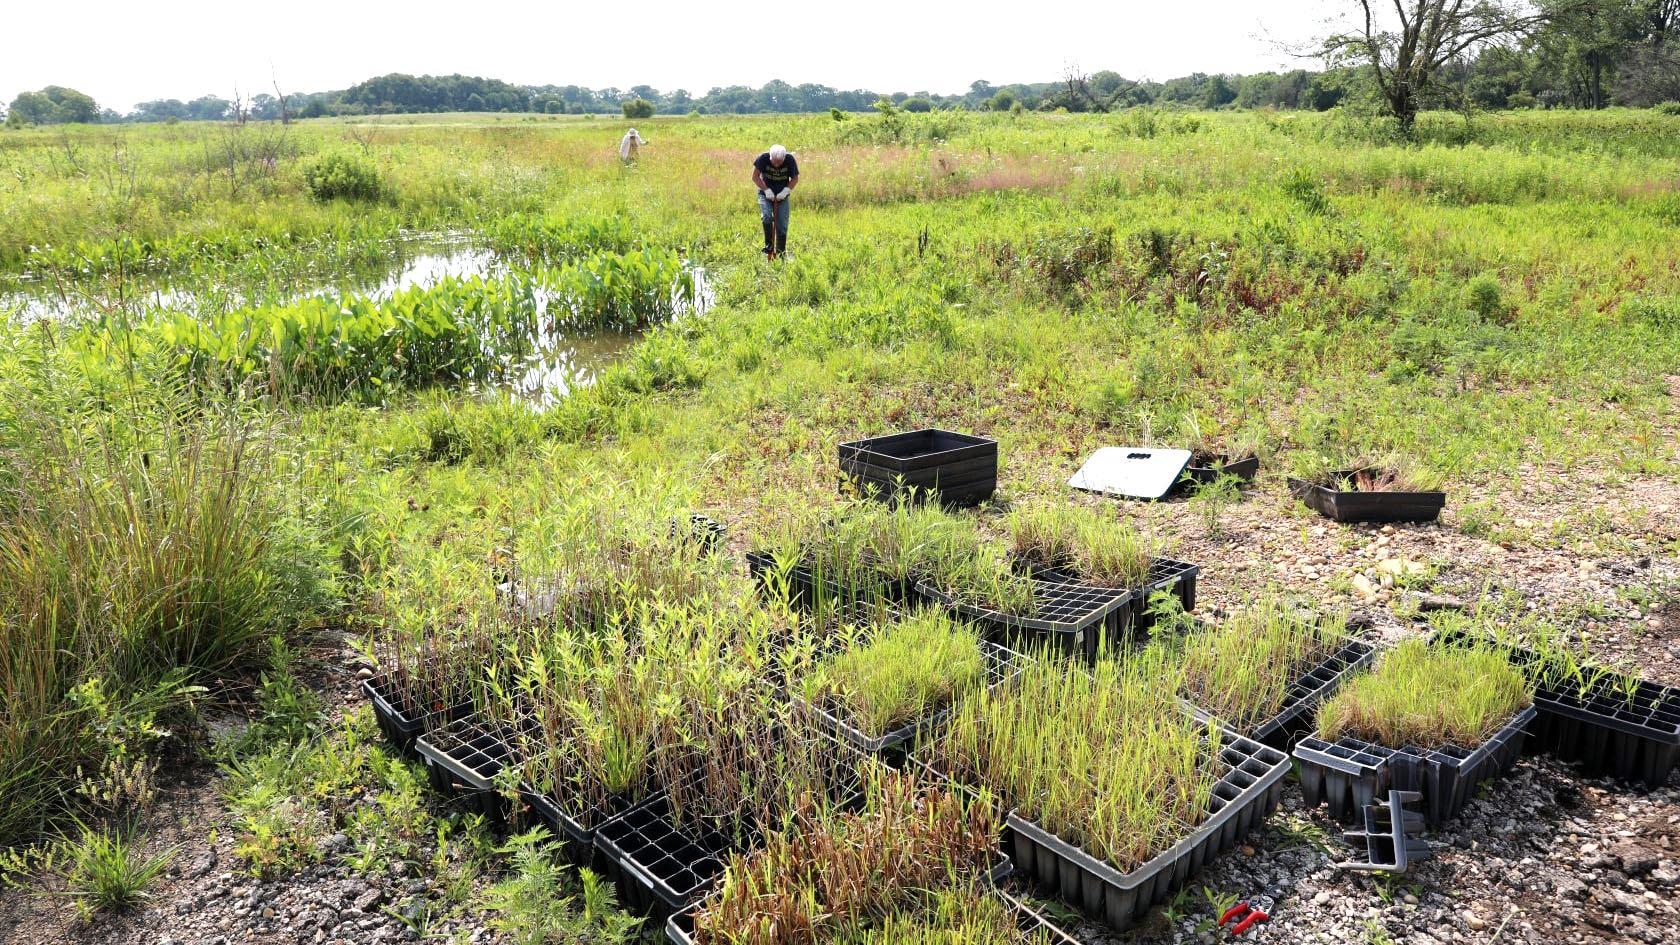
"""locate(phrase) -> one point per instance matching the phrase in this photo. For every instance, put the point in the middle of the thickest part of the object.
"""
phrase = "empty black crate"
(956, 468)
(1350, 773)
(1205, 469)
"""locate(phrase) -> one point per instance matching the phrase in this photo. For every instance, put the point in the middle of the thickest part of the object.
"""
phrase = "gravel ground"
(1543, 855)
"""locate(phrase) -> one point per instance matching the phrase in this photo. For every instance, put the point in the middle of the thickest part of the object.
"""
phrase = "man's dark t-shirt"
(776, 178)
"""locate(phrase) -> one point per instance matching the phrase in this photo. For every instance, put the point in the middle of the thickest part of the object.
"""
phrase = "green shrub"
(638, 108)
(1666, 108)
(340, 176)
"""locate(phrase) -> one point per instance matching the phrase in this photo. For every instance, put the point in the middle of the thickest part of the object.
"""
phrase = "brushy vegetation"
(1428, 695)
(1241, 671)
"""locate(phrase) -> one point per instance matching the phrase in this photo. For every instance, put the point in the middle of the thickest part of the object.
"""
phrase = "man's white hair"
(777, 152)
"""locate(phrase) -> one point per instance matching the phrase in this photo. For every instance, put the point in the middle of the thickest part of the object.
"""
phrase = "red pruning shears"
(1247, 914)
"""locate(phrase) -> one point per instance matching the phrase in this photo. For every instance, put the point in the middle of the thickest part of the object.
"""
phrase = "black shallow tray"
(1002, 665)
(807, 592)
(1350, 773)
(1165, 574)
(661, 870)
(1341, 506)
(1073, 618)
(1635, 740)
(1282, 729)
(1244, 797)
(577, 842)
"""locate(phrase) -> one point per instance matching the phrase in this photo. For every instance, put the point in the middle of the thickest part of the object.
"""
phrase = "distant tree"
(1403, 53)
(1217, 92)
(55, 105)
(209, 108)
(917, 103)
(475, 103)
(638, 108)
(1002, 100)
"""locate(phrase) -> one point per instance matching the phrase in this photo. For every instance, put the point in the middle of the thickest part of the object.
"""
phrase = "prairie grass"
(1097, 546)
(1241, 670)
(1428, 695)
(899, 672)
(832, 874)
(1107, 760)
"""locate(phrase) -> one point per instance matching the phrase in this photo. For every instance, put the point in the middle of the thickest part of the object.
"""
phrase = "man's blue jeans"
(773, 214)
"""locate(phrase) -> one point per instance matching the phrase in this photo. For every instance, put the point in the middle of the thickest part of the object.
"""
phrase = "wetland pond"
(565, 359)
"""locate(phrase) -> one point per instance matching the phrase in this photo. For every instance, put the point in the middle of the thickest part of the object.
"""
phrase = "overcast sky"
(126, 52)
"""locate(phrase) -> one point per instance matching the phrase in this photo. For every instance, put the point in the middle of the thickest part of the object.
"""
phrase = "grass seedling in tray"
(1428, 696)
(833, 874)
(881, 684)
(1262, 668)
(1438, 718)
(1118, 792)
(1093, 546)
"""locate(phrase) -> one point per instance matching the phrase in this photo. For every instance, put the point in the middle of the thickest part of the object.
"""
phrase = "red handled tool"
(1247, 914)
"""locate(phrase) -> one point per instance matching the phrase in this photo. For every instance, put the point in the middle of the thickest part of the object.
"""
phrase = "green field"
(191, 491)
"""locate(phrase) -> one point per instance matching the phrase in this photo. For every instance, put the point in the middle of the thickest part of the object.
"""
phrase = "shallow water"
(568, 360)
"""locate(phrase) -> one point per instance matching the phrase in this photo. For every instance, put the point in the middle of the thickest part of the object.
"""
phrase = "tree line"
(1401, 55)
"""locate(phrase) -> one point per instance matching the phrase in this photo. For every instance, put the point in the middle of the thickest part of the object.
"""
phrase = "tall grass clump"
(1428, 695)
(1242, 670)
(139, 548)
(834, 876)
(1097, 547)
(1108, 760)
(896, 674)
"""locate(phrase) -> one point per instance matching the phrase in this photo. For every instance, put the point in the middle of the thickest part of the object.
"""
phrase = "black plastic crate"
(1171, 576)
(1350, 773)
(1283, 727)
(1603, 730)
(1244, 796)
(956, 468)
(1002, 665)
(807, 590)
(1074, 619)
(703, 530)
(464, 757)
(1178, 578)
(1385, 506)
(1204, 469)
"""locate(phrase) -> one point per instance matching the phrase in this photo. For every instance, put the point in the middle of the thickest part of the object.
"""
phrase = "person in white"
(628, 146)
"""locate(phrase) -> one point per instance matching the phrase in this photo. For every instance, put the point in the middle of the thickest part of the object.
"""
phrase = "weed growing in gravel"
(108, 872)
(1428, 695)
(541, 903)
